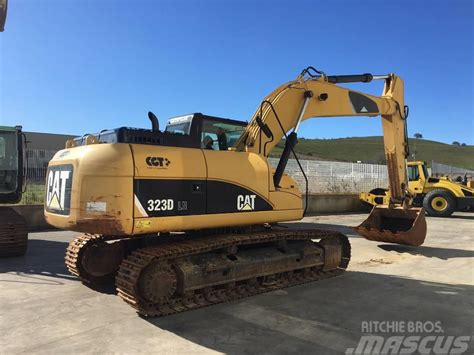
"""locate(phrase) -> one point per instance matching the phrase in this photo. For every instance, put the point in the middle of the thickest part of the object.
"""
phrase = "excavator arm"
(312, 96)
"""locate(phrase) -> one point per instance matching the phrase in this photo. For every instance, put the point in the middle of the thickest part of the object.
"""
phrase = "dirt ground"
(45, 310)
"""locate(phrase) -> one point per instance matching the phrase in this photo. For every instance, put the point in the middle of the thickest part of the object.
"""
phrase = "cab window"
(8, 162)
(2, 148)
(218, 135)
(425, 172)
(179, 125)
(413, 173)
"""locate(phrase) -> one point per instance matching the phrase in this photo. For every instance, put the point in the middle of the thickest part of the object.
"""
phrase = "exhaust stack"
(155, 124)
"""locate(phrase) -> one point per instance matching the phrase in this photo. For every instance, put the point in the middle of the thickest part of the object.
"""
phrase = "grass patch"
(34, 194)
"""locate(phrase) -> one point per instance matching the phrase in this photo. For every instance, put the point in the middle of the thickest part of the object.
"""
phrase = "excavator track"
(151, 281)
(95, 258)
(13, 233)
(74, 254)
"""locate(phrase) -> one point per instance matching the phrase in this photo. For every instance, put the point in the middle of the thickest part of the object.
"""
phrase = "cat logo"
(58, 189)
(246, 202)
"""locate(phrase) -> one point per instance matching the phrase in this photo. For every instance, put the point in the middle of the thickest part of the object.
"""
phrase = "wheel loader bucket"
(394, 225)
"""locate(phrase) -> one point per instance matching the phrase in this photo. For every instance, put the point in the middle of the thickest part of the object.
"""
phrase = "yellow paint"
(439, 203)
(143, 224)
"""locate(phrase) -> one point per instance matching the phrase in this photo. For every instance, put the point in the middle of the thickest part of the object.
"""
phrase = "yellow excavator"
(188, 217)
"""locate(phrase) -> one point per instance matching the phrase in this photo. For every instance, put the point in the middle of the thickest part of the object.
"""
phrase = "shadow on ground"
(430, 252)
(43, 258)
(462, 216)
(322, 317)
(333, 227)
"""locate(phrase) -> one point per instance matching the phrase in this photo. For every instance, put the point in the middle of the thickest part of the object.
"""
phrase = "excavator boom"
(317, 96)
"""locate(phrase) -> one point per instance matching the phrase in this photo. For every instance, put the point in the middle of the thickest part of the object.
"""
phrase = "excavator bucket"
(395, 225)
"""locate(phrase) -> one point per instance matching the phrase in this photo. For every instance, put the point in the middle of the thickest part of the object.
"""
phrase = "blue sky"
(81, 66)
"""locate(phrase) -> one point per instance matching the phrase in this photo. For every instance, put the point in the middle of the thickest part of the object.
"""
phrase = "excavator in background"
(440, 196)
(3, 14)
(188, 217)
(13, 229)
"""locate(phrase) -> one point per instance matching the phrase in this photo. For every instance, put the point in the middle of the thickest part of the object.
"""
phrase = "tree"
(417, 136)
(456, 143)
(463, 144)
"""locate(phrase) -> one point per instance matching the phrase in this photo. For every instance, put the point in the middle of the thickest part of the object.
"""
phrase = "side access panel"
(169, 181)
(236, 182)
(178, 189)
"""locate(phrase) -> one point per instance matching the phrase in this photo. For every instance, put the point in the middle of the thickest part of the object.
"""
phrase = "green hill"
(370, 150)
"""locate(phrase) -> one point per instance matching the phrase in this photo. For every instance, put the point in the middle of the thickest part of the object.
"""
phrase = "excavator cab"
(11, 164)
(13, 230)
(394, 225)
(3, 14)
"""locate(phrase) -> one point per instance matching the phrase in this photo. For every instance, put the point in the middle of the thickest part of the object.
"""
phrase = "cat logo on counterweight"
(58, 189)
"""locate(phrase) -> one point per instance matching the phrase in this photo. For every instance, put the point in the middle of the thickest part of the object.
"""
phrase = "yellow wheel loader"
(439, 196)
(188, 217)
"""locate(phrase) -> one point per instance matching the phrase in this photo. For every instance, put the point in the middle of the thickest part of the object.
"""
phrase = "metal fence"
(336, 177)
(323, 176)
(35, 167)
(438, 169)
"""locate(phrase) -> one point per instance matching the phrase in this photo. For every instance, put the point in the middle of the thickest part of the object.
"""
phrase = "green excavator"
(13, 230)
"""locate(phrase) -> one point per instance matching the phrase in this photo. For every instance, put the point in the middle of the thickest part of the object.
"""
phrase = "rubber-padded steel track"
(129, 285)
(13, 233)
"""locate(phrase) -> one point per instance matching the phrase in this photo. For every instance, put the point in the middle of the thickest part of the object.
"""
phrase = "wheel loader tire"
(439, 203)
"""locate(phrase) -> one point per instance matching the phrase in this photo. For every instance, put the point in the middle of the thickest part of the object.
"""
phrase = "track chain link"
(128, 276)
(73, 254)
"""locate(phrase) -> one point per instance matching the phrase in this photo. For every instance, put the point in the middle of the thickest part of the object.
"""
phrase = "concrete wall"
(46, 141)
(321, 203)
(333, 203)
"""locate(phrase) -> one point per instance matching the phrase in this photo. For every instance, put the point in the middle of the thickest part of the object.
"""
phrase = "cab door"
(11, 165)
(416, 178)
